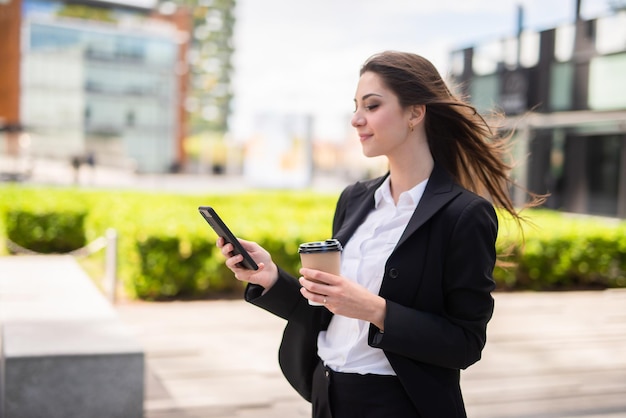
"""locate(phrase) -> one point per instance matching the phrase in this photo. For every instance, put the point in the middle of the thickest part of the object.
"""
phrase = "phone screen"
(220, 228)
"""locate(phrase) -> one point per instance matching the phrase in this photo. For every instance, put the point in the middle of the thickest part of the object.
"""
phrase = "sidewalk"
(46, 172)
(549, 355)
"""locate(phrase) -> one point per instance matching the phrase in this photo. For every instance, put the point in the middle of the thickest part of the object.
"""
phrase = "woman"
(411, 306)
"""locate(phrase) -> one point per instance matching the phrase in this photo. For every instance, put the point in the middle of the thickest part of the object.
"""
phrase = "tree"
(210, 59)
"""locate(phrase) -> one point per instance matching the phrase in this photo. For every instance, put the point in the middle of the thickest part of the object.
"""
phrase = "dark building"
(564, 92)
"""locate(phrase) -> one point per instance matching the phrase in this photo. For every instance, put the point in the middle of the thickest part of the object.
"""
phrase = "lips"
(364, 136)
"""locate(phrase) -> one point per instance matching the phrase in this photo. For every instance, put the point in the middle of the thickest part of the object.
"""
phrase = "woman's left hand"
(343, 297)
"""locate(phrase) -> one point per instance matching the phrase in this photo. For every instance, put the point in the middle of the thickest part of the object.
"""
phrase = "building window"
(603, 165)
(561, 81)
(485, 92)
(564, 43)
(487, 57)
(529, 53)
(611, 34)
(606, 79)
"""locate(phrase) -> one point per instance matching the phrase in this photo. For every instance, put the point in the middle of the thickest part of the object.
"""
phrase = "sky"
(303, 56)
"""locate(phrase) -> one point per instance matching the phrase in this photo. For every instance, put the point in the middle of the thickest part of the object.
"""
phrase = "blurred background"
(215, 96)
(263, 91)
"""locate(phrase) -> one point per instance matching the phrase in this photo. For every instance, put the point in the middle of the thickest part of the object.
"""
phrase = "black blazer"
(437, 283)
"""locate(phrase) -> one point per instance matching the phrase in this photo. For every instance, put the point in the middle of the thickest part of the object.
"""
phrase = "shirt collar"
(411, 196)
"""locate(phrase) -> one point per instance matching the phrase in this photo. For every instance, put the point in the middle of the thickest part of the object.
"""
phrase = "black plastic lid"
(320, 246)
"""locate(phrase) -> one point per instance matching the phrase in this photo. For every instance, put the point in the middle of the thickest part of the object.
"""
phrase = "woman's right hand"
(265, 276)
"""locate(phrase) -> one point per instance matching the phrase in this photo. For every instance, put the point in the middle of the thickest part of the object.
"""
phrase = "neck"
(406, 173)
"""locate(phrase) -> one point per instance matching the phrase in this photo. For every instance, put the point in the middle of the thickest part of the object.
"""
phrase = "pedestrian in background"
(411, 306)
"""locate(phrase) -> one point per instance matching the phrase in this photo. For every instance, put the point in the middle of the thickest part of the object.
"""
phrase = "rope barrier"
(17, 249)
(89, 249)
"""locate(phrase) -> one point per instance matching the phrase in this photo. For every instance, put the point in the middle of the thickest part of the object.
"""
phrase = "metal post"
(521, 171)
(110, 268)
(621, 189)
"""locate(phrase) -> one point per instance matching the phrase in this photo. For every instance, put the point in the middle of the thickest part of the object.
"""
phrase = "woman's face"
(381, 123)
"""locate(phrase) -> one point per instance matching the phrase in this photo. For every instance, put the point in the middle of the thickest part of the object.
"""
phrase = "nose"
(357, 120)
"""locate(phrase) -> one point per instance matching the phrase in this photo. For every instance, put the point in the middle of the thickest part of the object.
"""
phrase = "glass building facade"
(563, 90)
(104, 87)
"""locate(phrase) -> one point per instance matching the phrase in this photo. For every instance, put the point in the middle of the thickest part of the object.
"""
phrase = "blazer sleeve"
(284, 298)
(281, 299)
(340, 209)
(453, 336)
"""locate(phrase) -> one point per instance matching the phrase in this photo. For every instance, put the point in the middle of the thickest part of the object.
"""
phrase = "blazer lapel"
(360, 203)
(439, 191)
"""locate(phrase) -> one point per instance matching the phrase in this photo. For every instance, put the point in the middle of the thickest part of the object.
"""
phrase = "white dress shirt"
(343, 347)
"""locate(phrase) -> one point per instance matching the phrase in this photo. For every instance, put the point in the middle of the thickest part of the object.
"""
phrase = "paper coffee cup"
(321, 255)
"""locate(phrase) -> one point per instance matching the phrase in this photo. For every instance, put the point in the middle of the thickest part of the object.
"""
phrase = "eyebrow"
(369, 95)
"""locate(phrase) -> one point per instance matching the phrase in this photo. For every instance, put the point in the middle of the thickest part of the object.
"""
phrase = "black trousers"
(351, 395)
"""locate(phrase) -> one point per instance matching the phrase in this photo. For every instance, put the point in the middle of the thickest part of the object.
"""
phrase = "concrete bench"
(63, 350)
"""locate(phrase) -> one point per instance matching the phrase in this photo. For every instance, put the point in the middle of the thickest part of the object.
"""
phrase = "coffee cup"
(321, 255)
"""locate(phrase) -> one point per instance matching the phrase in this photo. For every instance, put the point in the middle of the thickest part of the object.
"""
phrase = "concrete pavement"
(64, 352)
(549, 355)
(48, 172)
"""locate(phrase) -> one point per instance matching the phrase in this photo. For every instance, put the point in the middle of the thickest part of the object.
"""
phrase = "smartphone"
(220, 228)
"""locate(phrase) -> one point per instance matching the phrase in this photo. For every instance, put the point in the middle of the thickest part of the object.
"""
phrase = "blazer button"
(393, 273)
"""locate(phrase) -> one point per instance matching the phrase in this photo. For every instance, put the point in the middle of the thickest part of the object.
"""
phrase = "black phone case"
(220, 228)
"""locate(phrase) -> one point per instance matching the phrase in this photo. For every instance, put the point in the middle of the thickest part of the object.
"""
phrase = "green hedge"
(166, 249)
(171, 267)
(564, 251)
(43, 232)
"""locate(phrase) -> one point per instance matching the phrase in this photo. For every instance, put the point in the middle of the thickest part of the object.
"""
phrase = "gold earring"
(411, 126)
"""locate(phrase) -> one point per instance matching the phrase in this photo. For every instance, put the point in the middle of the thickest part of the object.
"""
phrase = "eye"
(367, 107)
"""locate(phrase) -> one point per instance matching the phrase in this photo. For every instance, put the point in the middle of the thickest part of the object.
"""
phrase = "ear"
(418, 113)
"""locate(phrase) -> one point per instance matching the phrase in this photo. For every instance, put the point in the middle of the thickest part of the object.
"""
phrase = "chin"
(370, 153)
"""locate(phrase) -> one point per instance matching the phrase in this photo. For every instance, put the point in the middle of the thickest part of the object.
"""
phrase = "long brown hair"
(459, 138)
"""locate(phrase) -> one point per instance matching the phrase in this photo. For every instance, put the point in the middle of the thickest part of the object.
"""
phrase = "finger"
(318, 275)
(219, 242)
(227, 249)
(246, 244)
(232, 262)
(313, 297)
(313, 287)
